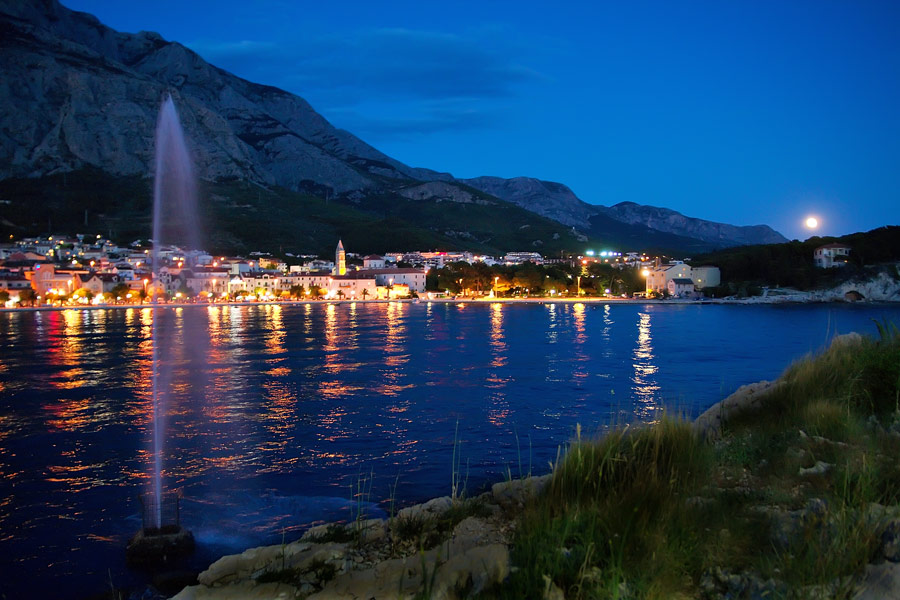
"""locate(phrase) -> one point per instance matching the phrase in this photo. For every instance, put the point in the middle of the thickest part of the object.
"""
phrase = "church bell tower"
(340, 261)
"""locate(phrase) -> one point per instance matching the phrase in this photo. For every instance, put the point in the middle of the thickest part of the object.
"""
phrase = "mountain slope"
(722, 234)
(76, 93)
(556, 201)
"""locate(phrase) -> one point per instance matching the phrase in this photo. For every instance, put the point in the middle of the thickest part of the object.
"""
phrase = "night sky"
(742, 112)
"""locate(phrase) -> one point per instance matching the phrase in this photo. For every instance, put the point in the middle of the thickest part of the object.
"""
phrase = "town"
(91, 270)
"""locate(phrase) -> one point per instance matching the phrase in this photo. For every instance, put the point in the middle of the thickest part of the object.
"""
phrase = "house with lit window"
(831, 255)
(681, 287)
(658, 277)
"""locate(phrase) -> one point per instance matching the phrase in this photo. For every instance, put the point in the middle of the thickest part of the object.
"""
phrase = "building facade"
(831, 255)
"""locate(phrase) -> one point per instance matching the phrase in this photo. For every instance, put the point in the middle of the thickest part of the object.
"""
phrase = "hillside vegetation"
(791, 264)
(239, 216)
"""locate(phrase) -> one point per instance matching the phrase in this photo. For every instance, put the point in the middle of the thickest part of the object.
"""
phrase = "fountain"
(175, 223)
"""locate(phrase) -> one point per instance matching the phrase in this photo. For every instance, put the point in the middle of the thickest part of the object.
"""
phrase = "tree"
(365, 293)
(341, 294)
(4, 296)
(297, 291)
(119, 291)
(27, 295)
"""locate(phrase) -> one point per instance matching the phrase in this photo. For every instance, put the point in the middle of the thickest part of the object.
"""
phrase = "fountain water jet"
(175, 223)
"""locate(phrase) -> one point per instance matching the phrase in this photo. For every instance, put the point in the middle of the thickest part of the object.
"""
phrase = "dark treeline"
(529, 278)
(791, 264)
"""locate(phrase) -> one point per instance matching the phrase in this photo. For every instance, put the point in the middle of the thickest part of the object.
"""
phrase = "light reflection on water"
(274, 409)
(645, 386)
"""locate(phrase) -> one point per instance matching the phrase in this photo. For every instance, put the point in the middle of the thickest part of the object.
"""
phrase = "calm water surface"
(276, 411)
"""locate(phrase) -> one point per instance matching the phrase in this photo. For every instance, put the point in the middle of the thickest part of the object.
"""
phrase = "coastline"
(753, 300)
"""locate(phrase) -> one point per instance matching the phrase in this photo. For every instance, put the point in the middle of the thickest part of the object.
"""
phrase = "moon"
(812, 222)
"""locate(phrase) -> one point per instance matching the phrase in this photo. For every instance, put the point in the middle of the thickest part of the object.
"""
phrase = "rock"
(551, 590)
(796, 454)
(847, 339)
(873, 425)
(432, 508)
(788, 526)
(746, 399)
(242, 590)
(890, 542)
(473, 571)
(255, 561)
(516, 492)
(724, 584)
(880, 582)
(370, 530)
(820, 468)
(318, 532)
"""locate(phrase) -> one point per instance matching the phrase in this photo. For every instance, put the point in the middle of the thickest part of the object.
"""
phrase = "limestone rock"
(890, 542)
(243, 590)
(255, 561)
(404, 578)
(746, 399)
(880, 582)
(434, 507)
(516, 492)
(820, 468)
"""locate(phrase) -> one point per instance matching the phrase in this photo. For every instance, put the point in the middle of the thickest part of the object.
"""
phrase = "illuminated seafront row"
(438, 300)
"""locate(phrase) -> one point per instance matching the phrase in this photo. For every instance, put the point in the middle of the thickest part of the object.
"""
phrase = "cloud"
(442, 80)
(414, 122)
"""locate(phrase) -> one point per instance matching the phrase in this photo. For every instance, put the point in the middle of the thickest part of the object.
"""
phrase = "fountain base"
(154, 547)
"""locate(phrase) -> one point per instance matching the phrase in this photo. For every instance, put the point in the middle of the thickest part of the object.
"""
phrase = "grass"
(653, 512)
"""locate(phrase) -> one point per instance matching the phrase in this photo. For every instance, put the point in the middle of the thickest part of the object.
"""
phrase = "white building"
(373, 261)
(517, 258)
(414, 278)
(352, 286)
(831, 255)
(681, 288)
(658, 277)
(706, 276)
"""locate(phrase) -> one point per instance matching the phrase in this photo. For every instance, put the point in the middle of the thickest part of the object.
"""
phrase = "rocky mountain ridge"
(558, 202)
(664, 219)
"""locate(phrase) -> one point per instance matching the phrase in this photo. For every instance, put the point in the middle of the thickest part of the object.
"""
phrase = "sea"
(277, 417)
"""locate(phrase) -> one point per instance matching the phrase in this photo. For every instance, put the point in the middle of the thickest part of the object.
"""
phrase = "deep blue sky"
(743, 112)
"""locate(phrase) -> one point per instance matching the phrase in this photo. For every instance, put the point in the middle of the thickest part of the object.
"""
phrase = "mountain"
(78, 104)
(76, 93)
(556, 201)
(721, 234)
(546, 198)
